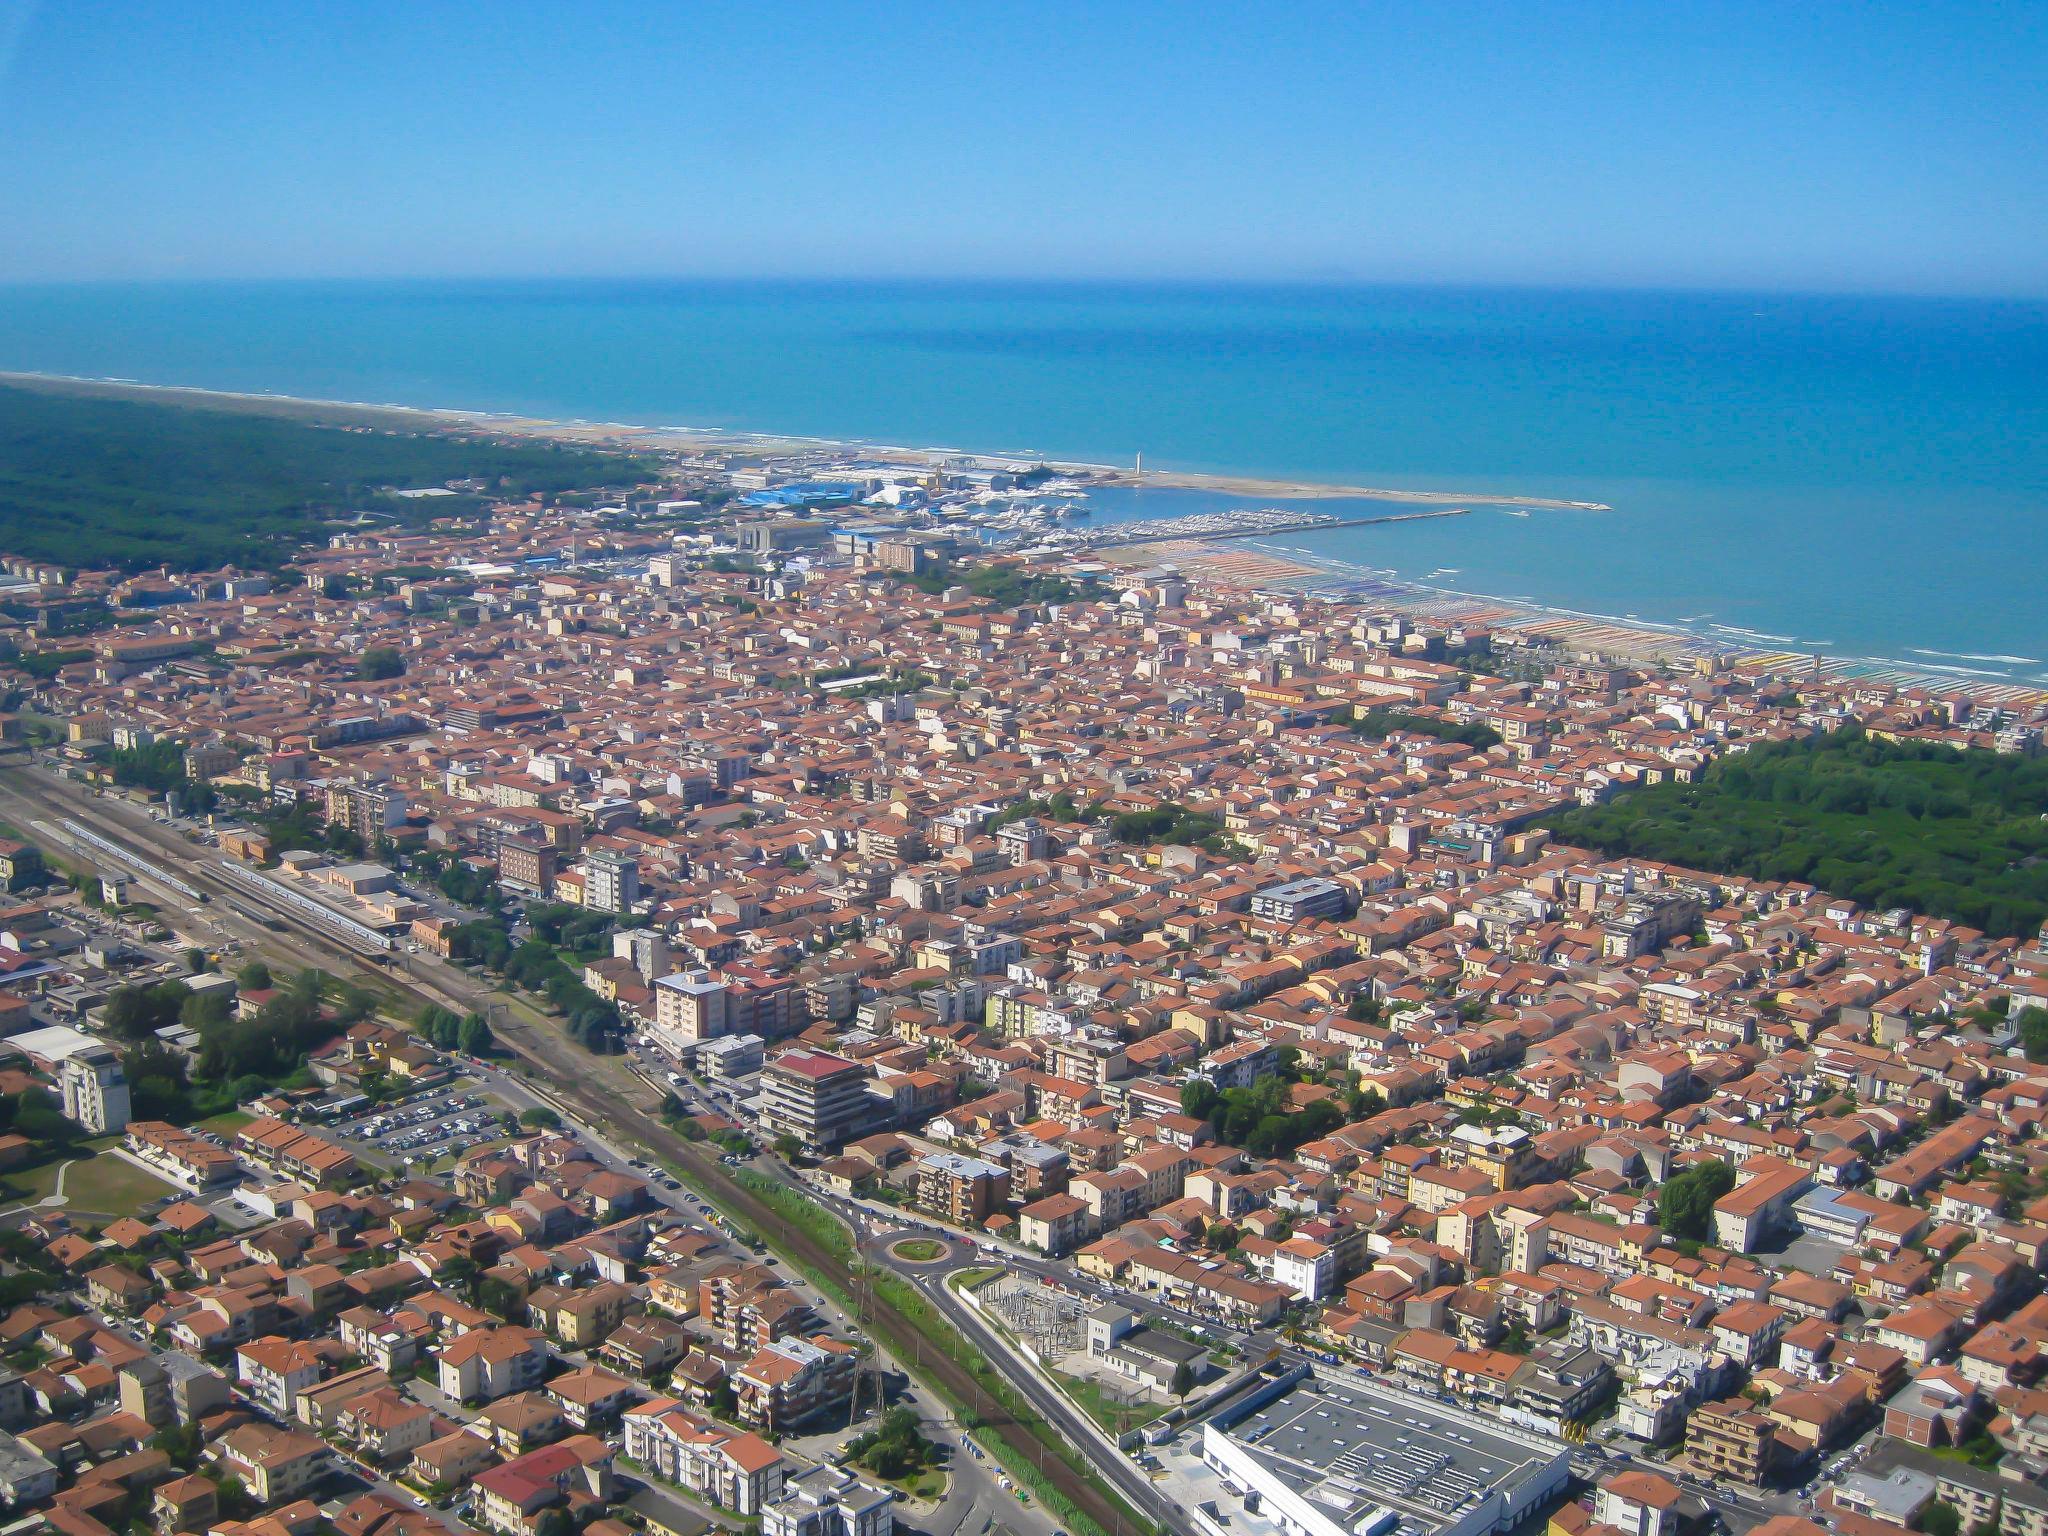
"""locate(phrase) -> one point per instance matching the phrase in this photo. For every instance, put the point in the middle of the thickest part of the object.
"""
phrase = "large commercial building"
(1299, 899)
(1335, 1454)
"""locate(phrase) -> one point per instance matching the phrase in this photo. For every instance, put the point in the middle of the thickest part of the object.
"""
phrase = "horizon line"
(1071, 281)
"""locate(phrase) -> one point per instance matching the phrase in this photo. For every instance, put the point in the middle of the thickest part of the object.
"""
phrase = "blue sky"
(1818, 147)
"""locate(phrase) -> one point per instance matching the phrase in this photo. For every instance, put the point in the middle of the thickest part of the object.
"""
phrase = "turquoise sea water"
(1867, 476)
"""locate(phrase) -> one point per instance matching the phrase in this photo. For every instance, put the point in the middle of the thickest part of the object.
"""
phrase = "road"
(880, 1230)
(600, 1096)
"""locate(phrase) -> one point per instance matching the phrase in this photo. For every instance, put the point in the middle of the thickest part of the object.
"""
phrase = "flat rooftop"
(1350, 1446)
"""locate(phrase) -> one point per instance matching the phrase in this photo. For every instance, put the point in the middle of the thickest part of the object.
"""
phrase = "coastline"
(1251, 568)
(627, 436)
(1241, 566)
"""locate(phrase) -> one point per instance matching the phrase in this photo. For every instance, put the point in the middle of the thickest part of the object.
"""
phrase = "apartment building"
(793, 1380)
(488, 1363)
(95, 1090)
(731, 1468)
(829, 1501)
(963, 1190)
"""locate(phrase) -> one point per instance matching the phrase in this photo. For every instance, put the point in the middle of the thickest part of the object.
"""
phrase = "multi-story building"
(828, 1501)
(793, 1380)
(817, 1097)
(527, 865)
(1646, 922)
(275, 1464)
(582, 1317)
(191, 1160)
(1294, 900)
(488, 1363)
(964, 1190)
(171, 1388)
(370, 811)
(95, 1090)
(732, 1056)
(1731, 1439)
(611, 880)
(511, 1496)
(27, 1477)
(1056, 1224)
(276, 1371)
(691, 1005)
(731, 1468)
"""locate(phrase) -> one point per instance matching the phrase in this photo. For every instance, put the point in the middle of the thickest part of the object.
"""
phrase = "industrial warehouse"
(1323, 1454)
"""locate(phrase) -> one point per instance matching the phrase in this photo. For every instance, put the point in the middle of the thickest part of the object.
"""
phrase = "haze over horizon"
(1750, 148)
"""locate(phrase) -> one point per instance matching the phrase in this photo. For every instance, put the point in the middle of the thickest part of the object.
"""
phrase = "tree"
(1198, 1098)
(540, 1118)
(1685, 1207)
(157, 1088)
(895, 1448)
(196, 1010)
(500, 1297)
(554, 1522)
(1941, 1518)
(459, 1275)
(1183, 1378)
(236, 1502)
(788, 1148)
(378, 663)
(195, 960)
(136, 1013)
(181, 1442)
(474, 1037)
(2034, 1033)
(254, 977)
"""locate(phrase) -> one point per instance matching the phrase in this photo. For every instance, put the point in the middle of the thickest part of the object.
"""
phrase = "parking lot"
(424, 1127)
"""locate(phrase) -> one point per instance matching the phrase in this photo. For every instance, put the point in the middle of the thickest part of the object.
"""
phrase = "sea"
(1860, 476)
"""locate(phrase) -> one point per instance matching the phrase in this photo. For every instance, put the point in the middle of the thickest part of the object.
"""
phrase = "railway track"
(568, 1079)
(1036, 1442)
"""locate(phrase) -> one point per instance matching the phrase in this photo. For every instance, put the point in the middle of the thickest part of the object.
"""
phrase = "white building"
(826, 1501)
(732, 1468)
(612, 881)
(95, 1090)
(1306, 1267)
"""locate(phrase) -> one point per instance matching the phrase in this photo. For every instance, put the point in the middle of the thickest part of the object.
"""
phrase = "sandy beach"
(1252, 570)
(1223, 564)
(629, 436)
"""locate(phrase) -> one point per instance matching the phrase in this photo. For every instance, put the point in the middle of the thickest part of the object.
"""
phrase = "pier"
(1108, 539)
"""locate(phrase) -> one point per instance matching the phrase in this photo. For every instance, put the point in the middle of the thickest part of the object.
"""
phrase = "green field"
(98, 1182)
(1952, 834)
(86, 480)
(928, 1484)
(1094, 1400)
